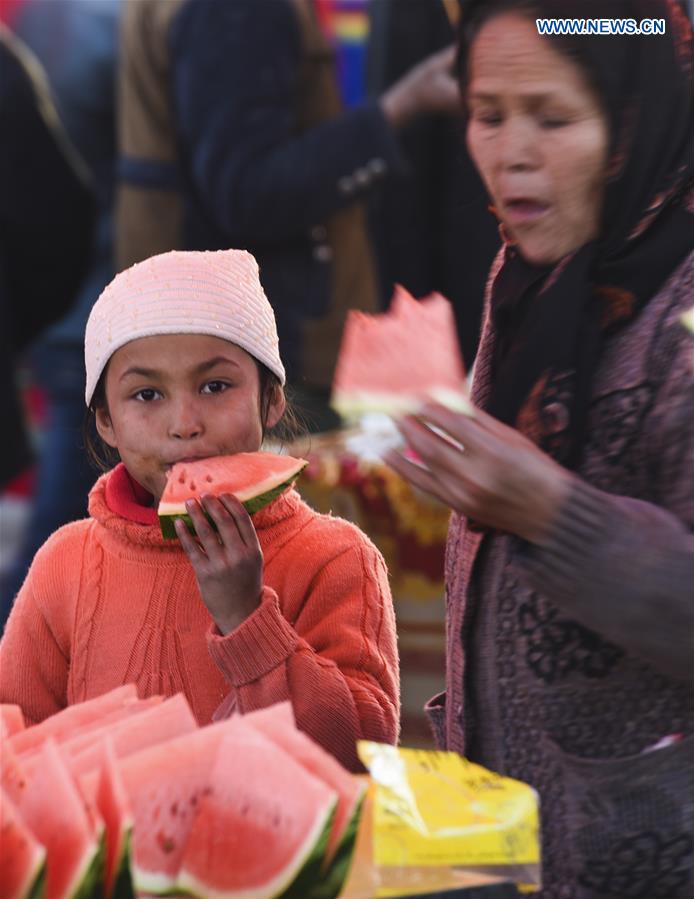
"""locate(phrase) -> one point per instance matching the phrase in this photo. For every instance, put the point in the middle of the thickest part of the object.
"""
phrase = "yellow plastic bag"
(439, 821)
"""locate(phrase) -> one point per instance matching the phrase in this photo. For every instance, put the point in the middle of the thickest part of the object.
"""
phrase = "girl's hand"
(494, 475)
(228, 562)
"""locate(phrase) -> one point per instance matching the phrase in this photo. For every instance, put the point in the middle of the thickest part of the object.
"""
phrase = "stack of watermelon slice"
(119, 797)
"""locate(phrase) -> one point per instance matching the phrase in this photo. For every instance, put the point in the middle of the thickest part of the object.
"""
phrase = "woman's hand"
(228, 562)
(428, 88)
(492, 474)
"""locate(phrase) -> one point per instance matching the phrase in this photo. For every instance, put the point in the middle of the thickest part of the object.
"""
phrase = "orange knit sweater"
(107, 602)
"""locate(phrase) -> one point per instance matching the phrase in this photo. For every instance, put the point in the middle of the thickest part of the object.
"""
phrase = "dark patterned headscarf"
(551, 322)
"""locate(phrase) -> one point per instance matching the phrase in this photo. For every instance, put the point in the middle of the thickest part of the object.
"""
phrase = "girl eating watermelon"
(183, 364)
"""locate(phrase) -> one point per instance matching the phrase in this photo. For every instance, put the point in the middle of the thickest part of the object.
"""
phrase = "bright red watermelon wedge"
(22, 857)
(172, 718)
(164, 785)
(93, 731)
(394, 361)
(277, 724)
(11, 720)
(105, 788)
(262, 824)
(53, 809)
(65, 722)
(254, 478)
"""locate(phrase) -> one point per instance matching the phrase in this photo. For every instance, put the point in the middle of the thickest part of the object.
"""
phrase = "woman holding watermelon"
(183, 364)
(570, 563)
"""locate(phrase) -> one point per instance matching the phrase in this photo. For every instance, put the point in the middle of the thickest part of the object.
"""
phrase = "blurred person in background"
(431, 225)
(570, 561)
(46, 221)
(233, 135)
(75, 42)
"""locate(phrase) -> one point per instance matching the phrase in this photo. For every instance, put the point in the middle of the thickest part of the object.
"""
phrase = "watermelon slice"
(105, 788)
(164, 784)
(394, 361)
(262, 824)
(11, 720)
(65, 722)
(22, 857)
(172, 718)
(92, 732)
(254, 478)
(52, 807)
(277, 723)
(12, 775)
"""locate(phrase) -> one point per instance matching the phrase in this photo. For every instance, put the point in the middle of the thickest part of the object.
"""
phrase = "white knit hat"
(217, 293)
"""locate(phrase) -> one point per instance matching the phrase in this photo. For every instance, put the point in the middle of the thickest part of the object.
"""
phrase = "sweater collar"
(128, 498)
(122, 505)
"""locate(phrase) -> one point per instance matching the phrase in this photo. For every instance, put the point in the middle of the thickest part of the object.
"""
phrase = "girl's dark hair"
(103, 457)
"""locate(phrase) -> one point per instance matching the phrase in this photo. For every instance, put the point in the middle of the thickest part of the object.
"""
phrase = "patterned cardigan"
(567, 661)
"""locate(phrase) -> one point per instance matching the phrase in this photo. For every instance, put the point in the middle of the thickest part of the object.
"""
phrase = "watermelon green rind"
(256, 503)
(313, 850)
(35, 885)
(145, 883)
(90, 884)
(330, 883)
(252, 506)
(311, 871)
(353, 404)
(123, 884)
(37, 890)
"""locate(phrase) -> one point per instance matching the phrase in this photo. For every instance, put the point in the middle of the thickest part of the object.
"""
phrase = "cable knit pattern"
(108, 601)
(567, 661)
(89, 605)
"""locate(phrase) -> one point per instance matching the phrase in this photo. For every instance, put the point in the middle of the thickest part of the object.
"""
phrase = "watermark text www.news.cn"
(600, 26)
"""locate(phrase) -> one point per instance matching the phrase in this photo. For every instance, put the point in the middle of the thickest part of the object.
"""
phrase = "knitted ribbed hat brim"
(183, 292)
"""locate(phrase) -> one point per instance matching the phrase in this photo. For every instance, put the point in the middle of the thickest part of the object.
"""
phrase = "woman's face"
(539, 138)
(177, 397)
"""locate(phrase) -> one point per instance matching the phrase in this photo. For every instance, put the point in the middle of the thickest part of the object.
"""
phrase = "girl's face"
(539, 138)
(178, 397)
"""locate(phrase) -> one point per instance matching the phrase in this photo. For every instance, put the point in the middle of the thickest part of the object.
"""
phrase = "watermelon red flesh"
(66, 722)
(263, 820)
(277, 723)
(22, 857)
(105, 788)
(254, 478)
(53, 809)
(170, 719)
(164, 785)
(393, 361)
(11, 720)
(92, 732)
(12, 775)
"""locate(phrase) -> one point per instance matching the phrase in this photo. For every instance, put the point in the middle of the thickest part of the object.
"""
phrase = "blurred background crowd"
(322, 135)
